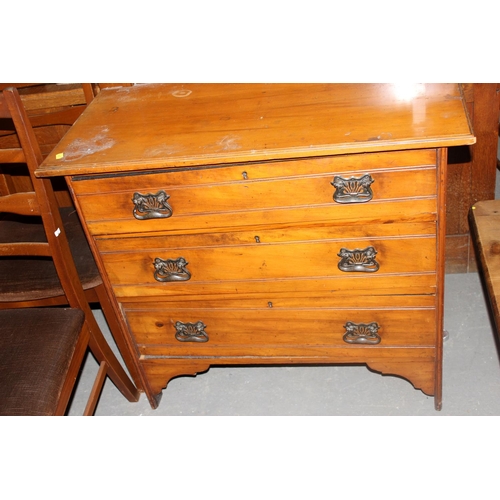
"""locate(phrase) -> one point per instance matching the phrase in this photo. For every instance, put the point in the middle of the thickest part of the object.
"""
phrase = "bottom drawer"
(280, 326)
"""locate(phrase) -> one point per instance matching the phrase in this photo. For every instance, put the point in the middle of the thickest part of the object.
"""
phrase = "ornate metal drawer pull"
(362, 333)
(358, 260)
(190, 332)
(353, 190)
(171, 270)
(151, 206)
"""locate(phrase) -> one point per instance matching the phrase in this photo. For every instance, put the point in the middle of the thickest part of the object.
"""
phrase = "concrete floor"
(471, 378)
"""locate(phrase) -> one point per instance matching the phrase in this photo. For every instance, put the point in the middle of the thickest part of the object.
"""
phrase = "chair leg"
(74, 370)
(102, 352)
(116, 329)
(96, 390)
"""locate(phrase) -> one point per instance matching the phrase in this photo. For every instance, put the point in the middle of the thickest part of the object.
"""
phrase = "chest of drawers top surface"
(152, 126)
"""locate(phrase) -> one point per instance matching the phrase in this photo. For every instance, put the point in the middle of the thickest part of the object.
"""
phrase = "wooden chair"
(41, 352)
(45, 257)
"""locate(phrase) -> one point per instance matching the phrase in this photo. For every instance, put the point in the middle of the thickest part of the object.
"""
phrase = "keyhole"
(257, 239)
(245, 175)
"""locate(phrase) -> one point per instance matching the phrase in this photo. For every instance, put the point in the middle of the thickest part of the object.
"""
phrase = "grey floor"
(471, 377)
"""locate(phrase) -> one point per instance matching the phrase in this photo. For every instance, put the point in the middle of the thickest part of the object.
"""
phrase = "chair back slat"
(4, 109)
(63, 117)
(17, 85)
(12, 155)
(20, 203)
(30, 249)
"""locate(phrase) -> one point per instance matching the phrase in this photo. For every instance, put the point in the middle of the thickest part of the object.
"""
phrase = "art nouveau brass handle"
(358, 260)
(190, 332)
(362, 333)
(353, 190)
(171, 270)
(151, 206)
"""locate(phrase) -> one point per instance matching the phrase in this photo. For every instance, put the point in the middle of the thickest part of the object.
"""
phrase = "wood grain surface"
(163, 125)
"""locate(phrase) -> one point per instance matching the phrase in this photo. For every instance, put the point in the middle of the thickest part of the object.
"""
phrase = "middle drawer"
(278, 260)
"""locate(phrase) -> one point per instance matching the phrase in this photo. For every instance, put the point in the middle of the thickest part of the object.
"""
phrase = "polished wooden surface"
(152, 126)
(249, 175)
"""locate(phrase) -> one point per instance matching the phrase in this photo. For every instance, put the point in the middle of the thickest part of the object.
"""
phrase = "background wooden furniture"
(37, 264)
(485, 226)
(52, 109)
(238, 224)
(471, 174)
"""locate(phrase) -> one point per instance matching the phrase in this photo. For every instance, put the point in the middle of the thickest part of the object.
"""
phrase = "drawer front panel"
(194, 176)
(202, 331)
(409, 210)
(319, 189)
(193, 263)
(411, 284)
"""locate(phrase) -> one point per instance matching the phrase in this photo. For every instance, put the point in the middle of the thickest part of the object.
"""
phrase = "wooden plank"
(485, 227)
(486, 131)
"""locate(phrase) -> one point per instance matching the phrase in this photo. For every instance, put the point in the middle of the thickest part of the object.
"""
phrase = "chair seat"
(36, 348)
(40, 273)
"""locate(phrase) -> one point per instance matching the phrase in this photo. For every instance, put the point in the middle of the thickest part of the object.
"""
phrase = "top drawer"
(376, 186)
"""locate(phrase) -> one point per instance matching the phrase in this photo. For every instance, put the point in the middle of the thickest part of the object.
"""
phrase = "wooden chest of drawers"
(269, 224)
